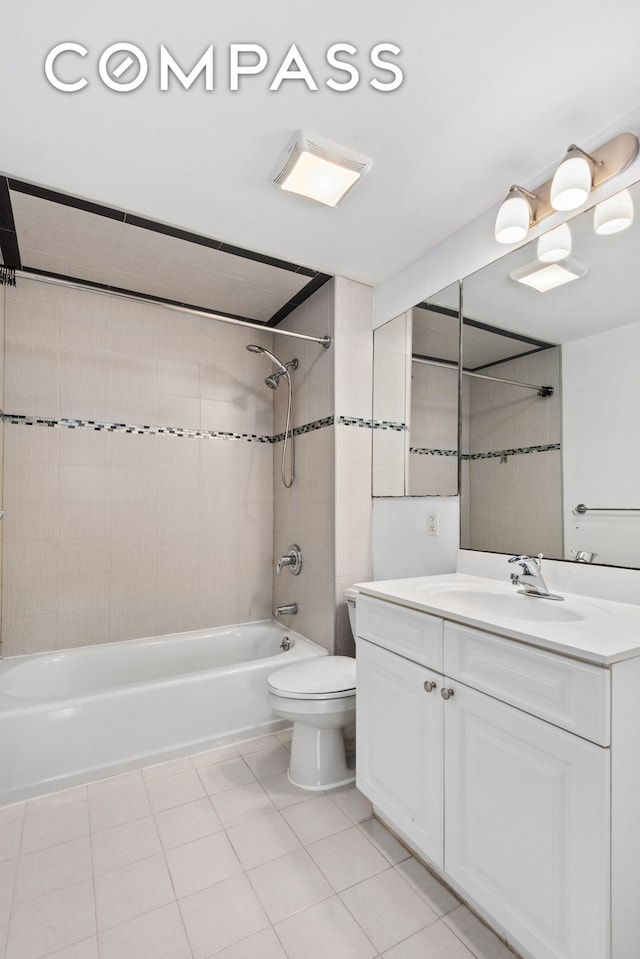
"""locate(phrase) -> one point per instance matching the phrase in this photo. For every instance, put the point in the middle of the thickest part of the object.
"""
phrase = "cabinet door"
(399, 745)
(527, 825)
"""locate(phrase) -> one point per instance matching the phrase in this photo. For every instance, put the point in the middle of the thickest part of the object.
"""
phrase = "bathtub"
(80, 714)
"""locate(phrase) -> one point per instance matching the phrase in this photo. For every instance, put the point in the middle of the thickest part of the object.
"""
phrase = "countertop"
(604, 632)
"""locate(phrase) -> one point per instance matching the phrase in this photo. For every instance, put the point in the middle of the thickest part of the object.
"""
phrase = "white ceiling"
(493, 94)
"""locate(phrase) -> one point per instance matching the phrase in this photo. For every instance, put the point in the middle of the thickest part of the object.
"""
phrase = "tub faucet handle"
(292, 558)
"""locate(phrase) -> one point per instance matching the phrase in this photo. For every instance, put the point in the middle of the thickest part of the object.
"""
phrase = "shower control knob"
(446, 693)
(429, 686)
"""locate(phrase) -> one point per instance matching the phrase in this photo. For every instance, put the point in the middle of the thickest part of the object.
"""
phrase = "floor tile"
(217, 755)
(48, 828)
(163, 770)
(222, 915)
(122, 845)
(156, 935)
(316, 818)
(175, 791)
(12, 812)
(262, 945)
(257, 745)
(202, 863)
(185, 823)
(123, 805)
(428, 886)
(48, 924)
(87, 949)
(8, 871)
(131, 891)
(435, 942)
(225, 775)
(289, 884)
(382, 839)
(282, 793)
(268, 762)
(353, 804)
(48, 870)
(387, 908)
(324, 931)
(10, 833)
(478, 938)
(284, 735)
(347, 858)
(55, 800)
(102, 788)
(242, 804)
(261, 840)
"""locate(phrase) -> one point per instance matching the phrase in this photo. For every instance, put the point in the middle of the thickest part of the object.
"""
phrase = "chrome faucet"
(531, 578)
(290, 610)
(292, 559)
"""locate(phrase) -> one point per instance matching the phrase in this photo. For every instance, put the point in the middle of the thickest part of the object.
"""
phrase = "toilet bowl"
(319, 697)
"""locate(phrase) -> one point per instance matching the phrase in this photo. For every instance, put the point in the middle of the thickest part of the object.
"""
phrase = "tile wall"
(433, 459)
(521, 432)
(112, 535)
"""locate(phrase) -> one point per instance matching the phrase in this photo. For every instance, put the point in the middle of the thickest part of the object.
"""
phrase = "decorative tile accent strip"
(306, 428)
(517, 451)
(371, 424)
(19, 420)
(432, 452)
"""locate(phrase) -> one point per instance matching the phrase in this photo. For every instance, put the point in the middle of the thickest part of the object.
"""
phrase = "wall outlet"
(433, 524)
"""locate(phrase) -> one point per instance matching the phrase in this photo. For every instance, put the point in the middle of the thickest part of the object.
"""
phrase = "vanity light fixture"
(614, 214)
(548, 276)
(554, 245)
(318, 169)
(578, 174)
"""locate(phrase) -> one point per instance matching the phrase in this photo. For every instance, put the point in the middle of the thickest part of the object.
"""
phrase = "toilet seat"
(324, 677)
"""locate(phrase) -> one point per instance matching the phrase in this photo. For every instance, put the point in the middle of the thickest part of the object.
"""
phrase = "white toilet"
(319, 697)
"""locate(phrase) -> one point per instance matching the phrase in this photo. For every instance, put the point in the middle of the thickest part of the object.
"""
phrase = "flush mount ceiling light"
(318, 169)
(614, 214)
(548, 276)
(578, 174)
(554, 245)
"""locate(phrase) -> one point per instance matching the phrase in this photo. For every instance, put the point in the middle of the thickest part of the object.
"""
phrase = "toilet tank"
(351, 595)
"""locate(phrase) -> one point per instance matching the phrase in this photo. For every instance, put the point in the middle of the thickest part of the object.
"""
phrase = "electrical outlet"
(433, 524)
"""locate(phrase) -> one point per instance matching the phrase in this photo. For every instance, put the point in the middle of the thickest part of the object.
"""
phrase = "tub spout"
(290, 609)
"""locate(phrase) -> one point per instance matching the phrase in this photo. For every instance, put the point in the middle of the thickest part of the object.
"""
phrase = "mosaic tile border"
(516, 451)
(425, 451)
(17, 419)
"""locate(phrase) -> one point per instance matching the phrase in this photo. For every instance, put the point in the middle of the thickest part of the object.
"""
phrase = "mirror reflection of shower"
(273, 382)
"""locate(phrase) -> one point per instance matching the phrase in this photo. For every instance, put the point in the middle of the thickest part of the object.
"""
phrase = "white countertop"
(595, 630)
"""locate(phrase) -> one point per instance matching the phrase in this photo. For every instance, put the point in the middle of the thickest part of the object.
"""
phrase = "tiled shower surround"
(146, 505)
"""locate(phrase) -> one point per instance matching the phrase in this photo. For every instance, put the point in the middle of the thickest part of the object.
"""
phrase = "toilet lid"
(320, 676)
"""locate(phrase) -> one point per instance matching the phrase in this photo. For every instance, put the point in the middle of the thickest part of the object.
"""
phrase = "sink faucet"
(531, 578)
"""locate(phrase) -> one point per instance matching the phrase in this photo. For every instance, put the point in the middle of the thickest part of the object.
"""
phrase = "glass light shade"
(513, 219)
(554, 245)
(614, 214)
(571, 184)
(319, 179)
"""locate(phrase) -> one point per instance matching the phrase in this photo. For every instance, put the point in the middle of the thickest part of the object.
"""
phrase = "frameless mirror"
(550, 461)
(415, 399)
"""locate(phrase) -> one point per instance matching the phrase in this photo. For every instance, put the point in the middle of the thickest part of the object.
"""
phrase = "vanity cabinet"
(492, 762)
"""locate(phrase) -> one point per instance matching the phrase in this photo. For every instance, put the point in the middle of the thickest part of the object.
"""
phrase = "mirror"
(415, 399)
(554, 472)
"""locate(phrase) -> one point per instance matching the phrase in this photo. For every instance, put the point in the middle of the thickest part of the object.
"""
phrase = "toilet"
(319, 697)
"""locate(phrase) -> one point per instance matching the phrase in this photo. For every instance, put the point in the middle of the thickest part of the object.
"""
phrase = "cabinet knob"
(446, 693)
(429, 686)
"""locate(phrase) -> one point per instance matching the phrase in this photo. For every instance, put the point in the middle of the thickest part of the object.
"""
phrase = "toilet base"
(318, 758)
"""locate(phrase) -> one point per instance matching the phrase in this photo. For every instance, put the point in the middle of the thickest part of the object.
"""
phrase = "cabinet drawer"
(570, 694)
(418, 636)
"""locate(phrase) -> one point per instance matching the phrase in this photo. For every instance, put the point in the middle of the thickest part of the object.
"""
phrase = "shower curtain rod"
(324, 341)
(540, 390)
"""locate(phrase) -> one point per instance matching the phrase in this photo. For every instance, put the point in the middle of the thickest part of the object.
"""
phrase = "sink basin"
(486, 603)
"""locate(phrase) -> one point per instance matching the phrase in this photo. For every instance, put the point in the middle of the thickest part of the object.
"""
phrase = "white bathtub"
(79, 714)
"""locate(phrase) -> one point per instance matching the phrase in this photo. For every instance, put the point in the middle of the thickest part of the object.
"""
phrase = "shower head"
(273, 381)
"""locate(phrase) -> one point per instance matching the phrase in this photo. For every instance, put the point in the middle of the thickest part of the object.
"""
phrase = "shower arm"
(324, 341)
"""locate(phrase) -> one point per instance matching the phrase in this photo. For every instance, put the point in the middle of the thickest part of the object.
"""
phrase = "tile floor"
(218, 855)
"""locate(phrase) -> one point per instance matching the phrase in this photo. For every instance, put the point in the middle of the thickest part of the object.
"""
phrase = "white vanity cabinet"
(505, 785)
